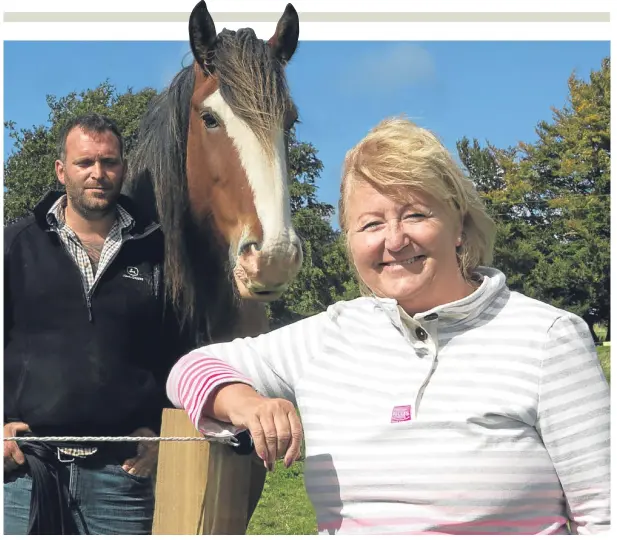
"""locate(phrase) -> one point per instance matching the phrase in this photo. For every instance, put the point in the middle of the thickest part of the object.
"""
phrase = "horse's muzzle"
(265, 274)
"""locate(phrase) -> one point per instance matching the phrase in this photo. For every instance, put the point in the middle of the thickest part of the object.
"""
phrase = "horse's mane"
(194, 270)
(252, 81)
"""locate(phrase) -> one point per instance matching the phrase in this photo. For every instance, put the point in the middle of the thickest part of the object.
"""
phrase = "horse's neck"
(250, 321)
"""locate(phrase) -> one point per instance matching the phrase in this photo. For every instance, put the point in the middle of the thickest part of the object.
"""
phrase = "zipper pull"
(89, 304)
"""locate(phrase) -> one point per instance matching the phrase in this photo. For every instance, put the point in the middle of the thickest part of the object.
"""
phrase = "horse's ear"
(285, 38)
(202, 33)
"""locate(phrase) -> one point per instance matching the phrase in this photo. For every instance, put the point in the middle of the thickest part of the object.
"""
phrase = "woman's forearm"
(229, 400)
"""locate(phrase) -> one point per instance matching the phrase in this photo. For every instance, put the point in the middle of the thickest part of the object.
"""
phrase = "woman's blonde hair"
(397, 157)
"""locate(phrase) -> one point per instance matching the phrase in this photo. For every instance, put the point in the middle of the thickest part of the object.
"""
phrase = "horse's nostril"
(246, 247)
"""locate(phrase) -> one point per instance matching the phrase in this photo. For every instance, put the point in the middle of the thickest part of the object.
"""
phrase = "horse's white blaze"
(267, 177)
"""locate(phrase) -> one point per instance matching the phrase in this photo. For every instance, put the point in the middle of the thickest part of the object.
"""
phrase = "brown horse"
(211, 164)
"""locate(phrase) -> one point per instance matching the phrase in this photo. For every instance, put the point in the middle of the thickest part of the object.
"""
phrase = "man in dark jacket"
(87, 349)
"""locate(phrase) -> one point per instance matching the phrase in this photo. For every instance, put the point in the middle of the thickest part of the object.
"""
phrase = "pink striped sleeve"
(193, 379)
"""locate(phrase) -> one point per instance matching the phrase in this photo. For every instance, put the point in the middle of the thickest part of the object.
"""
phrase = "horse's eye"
(210, 120)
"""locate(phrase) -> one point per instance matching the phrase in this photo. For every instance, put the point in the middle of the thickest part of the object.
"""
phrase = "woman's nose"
(396, 238)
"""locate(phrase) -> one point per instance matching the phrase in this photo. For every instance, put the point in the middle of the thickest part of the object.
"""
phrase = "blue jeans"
(103, 499)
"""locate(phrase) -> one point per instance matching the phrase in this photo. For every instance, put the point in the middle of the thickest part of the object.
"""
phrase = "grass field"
(604, 353)
(284, 507)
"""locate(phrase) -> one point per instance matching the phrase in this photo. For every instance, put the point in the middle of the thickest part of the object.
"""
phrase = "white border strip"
(317, 31)
(309, 6)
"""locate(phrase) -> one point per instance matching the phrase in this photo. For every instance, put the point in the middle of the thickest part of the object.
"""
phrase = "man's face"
(92, 171)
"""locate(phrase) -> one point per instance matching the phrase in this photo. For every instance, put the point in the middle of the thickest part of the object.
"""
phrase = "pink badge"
(401, 413)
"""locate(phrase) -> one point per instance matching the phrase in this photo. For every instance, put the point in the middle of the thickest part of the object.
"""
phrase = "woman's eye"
(210, 120)
(415, 215)
(370, 225)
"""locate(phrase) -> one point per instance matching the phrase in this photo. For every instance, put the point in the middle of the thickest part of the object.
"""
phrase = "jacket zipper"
(88, 294)
(81, 277)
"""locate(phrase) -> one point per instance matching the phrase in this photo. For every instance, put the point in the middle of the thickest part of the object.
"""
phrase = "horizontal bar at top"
(465, 17)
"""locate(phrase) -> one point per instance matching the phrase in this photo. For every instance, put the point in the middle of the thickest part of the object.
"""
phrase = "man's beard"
(91, 206)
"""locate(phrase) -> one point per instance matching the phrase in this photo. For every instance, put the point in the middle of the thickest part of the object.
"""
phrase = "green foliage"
(600, 331)
(604, 354)
(551, 202)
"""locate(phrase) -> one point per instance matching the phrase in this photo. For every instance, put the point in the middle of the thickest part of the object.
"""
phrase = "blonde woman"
(440, 401)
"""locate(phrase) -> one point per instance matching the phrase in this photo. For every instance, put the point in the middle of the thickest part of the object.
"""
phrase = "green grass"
(600, 331)
(604, 353)
(284, 507)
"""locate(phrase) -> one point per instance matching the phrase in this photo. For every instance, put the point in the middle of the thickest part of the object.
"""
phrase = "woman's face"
(405, 251)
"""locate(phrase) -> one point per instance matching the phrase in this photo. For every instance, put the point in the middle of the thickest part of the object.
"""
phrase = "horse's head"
(236, 160)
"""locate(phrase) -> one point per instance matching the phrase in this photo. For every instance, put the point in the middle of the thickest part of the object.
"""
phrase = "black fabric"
(245, 443)
(77, 366)
(49, 503)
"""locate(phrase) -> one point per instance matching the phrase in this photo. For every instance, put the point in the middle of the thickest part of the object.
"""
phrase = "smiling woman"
(403, 198)
(441, 401)
(405, 250)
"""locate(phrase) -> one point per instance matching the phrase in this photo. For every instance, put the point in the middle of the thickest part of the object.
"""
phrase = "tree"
(551, 200)
(570, 169)
(515, 250)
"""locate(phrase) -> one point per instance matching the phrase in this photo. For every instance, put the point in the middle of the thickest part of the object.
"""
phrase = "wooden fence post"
(201, 488)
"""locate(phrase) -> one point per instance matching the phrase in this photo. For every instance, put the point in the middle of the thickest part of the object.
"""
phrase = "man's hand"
(13, 456)
(144, 463)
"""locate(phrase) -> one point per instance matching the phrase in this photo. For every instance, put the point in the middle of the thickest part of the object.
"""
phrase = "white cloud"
(391, 68)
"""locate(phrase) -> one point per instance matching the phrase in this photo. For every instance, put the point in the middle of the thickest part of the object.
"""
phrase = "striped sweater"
(488, 415)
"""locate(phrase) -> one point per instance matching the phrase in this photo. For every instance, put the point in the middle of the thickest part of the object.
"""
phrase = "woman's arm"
(269, 365)
(574, 422)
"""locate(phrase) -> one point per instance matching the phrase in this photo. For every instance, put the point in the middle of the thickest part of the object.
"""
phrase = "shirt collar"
(55, 215)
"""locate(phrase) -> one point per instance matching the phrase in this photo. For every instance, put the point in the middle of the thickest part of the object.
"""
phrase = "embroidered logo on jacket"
(401, 413)
(132, 273)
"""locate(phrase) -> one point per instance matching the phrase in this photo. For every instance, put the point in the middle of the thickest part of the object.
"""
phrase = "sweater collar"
(453, 313)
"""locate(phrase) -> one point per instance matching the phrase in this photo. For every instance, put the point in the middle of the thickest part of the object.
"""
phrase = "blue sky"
(495, 91)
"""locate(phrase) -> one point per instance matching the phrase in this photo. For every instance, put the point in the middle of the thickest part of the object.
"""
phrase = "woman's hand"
(273, 423)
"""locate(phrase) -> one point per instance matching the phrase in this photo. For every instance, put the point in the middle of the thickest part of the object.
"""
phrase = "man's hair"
(90, 123)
